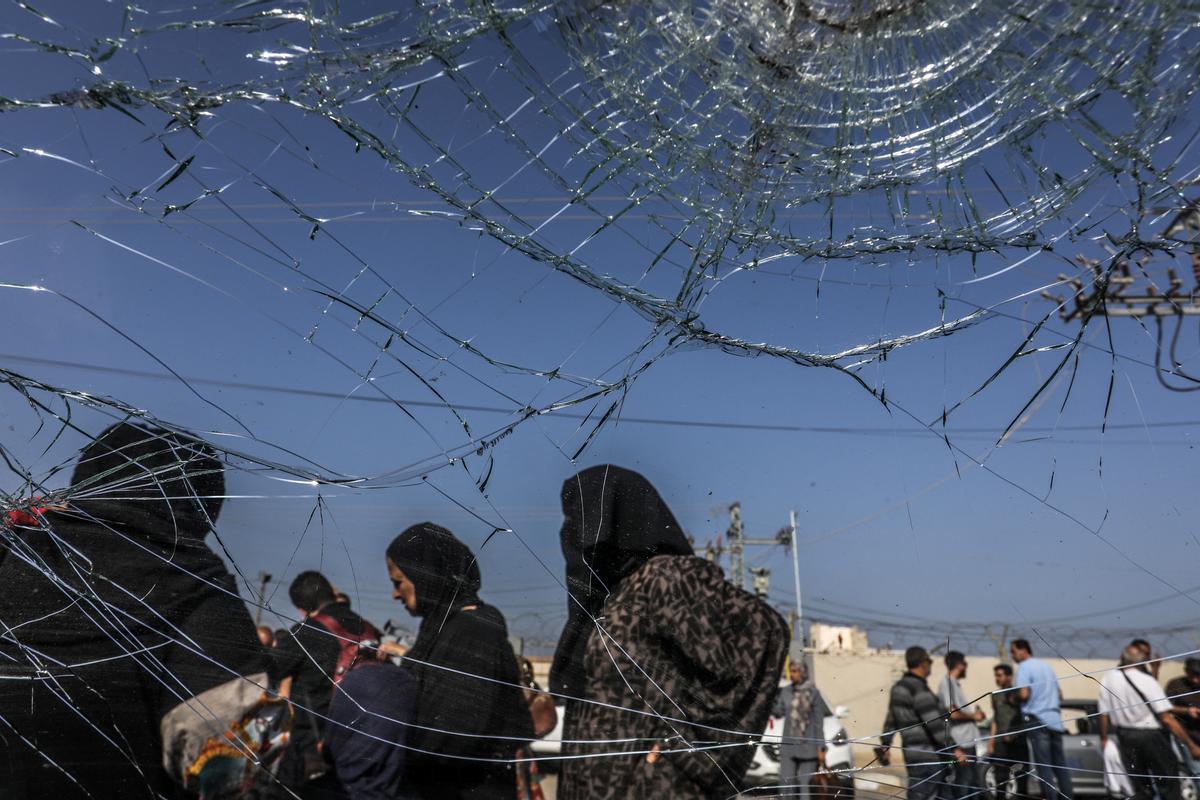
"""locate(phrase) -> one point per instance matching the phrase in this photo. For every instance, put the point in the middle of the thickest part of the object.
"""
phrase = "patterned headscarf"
(803, 696)
(614, 521)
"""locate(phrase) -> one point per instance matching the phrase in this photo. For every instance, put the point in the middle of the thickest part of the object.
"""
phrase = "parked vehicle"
(1085, 759)
(764, 770)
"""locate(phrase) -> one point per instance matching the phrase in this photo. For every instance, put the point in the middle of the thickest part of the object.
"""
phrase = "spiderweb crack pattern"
(663, 156)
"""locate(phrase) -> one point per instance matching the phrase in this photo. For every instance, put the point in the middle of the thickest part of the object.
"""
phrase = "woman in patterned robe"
(671, 670)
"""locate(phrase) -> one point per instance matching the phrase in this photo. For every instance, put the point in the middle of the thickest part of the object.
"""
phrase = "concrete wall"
(861, 683)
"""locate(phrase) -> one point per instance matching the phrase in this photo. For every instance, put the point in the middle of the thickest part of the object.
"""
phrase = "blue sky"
(1062, 520)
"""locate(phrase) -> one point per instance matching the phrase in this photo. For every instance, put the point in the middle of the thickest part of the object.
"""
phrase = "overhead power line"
(680, 423)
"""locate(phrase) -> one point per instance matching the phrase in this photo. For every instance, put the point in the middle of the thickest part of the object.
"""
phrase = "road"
(886, 784)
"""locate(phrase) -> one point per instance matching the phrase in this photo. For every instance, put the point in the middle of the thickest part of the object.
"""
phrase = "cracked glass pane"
(814, 330)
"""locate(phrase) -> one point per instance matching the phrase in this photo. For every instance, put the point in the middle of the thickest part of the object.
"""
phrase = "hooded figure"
(614, 521)
(471, 715)
(114, 611)
(803, 710)
(659, 651)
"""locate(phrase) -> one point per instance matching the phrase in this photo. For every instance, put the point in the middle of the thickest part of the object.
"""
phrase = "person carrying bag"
(1134, 706)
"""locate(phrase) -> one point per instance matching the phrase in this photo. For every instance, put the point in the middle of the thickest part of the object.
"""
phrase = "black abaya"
(114, 610)
(471, 713)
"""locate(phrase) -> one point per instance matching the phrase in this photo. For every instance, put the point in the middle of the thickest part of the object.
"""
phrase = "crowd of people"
(944, 749)
(130, 666)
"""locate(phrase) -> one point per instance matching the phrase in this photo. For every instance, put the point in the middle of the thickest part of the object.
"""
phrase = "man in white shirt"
(1133, 707)
(964, 776)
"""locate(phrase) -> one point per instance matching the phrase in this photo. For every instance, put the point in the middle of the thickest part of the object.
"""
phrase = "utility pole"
(263, 580)
(800, 634)
(1114, 290)
(762, 576)
(738, 543)
(737, 561)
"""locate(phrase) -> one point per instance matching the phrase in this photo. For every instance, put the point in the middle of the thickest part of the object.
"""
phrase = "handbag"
(226, 740)
(825, 785)
(543, 712)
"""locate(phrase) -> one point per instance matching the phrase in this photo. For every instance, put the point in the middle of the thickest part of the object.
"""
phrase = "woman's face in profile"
(402, 588)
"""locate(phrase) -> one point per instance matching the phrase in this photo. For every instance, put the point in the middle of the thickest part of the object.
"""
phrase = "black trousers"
(1011, 759)
(1150, 762)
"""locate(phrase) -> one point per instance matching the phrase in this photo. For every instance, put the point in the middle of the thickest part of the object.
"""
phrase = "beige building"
(838, 639)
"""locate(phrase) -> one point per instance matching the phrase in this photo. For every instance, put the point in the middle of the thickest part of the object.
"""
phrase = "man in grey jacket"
(921, 720)
(803, 710)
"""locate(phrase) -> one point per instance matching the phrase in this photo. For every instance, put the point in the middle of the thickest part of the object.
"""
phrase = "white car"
(764, 769)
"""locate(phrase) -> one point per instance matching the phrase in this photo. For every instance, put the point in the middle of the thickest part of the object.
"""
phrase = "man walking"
(305, 664)
(803, 710)
(964, 775)
(1041, 707)
(1008, 750)
(915, 712)
(1133, 706)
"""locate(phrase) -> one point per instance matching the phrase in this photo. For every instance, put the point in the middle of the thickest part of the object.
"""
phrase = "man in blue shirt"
(366, 735)
(1041, 704)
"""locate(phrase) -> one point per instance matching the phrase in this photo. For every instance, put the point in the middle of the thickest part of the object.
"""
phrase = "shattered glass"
(400, 260)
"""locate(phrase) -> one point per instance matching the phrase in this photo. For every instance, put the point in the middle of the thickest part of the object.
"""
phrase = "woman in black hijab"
(613, 522)
(115, 610)
(471, 714)
(659, 651)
